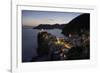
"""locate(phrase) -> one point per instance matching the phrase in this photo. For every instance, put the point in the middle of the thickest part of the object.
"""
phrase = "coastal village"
(75, 46)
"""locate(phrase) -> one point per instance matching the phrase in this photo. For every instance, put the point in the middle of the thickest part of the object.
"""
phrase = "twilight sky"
(34, 18)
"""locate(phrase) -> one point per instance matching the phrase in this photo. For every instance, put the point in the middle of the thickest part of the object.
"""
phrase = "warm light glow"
(67, 46)
(63, 43)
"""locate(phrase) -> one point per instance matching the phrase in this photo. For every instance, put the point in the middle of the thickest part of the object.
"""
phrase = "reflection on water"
(29, 42)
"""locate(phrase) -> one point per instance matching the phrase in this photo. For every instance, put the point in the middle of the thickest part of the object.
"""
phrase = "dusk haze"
(34, 18)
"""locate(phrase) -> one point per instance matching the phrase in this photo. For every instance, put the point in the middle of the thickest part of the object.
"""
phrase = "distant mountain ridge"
(78, 24)
(48, 26)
